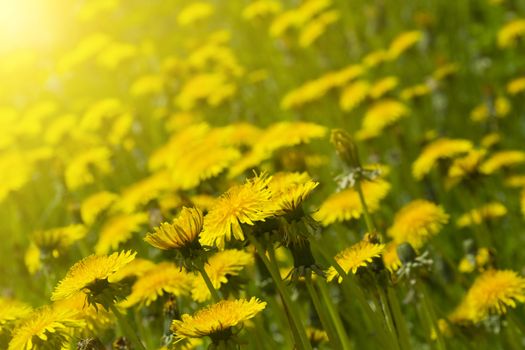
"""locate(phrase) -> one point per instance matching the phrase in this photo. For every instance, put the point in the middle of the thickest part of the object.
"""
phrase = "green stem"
(399, 320)
(128, 331)
(389, 321)
(429, 311)
(334, 316)
(293, 314)
(368, 219)
(214, 294)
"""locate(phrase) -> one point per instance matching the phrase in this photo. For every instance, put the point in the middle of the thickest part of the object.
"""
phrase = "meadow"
(263, 174)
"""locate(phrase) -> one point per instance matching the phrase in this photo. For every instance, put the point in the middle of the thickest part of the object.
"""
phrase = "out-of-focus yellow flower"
(95, 320)
(516, 181)
(415, 91)
(180, 233)
(403, 42)
(114, 54)
(380, 115)
(465, 166)
(469, 263)
(345, 205)
(261, 8)
(490, 140)
(12, 310)
(316, 336)
(352, 258)
(148, 84)
(390, 257)
(445, 71)
(119, 229)
(510, 32)
(375, 58)
(143, 191)
(220, 266)
(287, 134)
(353, 94)
(502, 159)
(45, 328)
(213, 88)
(165, 278)
(442, 148)
(91, 270)
(417, 222)
(194, 13)
(241, 204)
(134, 268)
(382, 86)
(316, 28)
(86, 49)
(476, 216)
(79, 171)
(482, 112)
(95, 204)
(516, 86)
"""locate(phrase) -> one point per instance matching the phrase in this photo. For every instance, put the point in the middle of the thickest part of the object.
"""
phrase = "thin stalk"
(429, 311)
(368, 219)
(334, 316)
(402, 332)
(389, 321)
(126, 328)
(328, 326)
(302, 341)
(214, 294)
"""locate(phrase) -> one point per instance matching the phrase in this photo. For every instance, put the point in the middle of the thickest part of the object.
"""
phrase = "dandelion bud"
(345, 147)
(406, 253)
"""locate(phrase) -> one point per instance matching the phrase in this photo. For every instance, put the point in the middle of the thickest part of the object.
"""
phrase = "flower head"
(476, 216)
(119, 229)
(95, 204)
(510, 32)
(502, 159)
(289, 190)
(11, 310)
(352, 258)
(416, 222)
(217, 320)
(382, 114)
(242, 204)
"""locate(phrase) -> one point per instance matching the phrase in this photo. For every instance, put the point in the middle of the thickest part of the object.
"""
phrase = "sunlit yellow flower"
(165, 278)
(149, 84)
(516, 86)
(442, 148)
(182, 232)
(213, 88)
(403, 42)
(219, 268)
(11, 310)
(510, 32)
(134, 268)
(352, 258)
(79, 170)
(289, 190)
(382, 86)
(95, 320)
(45, 328)
(114, 54)
(380, 115)
(316, 28)
(465, 166)
(415, 91)
(119, 229)
(471, 262)
(476, 216)
(345, 205)
(287, 134)
(316, 336)
(417, 222)
(354, 94)
(374, 58)
(493, 292)
(516, 181)
(241, 204)
(95, 204)
(390, 257)
(489, 140)
(502, 159)
(445, 71)
(194, 12)
(217, 319)
(261, 8)
(482, 112)
(88, 272)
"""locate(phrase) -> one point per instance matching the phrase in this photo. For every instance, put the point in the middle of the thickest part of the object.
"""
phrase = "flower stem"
(214, 294)
(128, 331)
(293, 314)
(368, 219)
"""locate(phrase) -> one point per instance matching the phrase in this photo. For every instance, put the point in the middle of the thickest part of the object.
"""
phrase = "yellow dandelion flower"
(445, 71)
(415, 91)
(516, 181)
(143, 191)
(119, 229)
(476, 216)
(510, 32)
(45, 328)
(79, 170)
(241, 204)
(220, 266)
(375, 58)
(11, 310)
(287, 134)
(352, 258)
(165, 278)
(417, 222)
(89, 271)
(482, 112)
(317, 27)
(194, 12)
(181, 232)
(354, 94)
(95, 204)
(135, 268)
(516, 86)
(493, 292)
(502, 159)
(148, 84)
(465, 166)
(261, 8)
(390, 257)
(490, 140)
(380, 115)
(345, 205)
(57, 239)
(95, 320)
(403, 42)
(289, 190)
(217, 319)
(442, 148)
(382, 86)
(316, 336)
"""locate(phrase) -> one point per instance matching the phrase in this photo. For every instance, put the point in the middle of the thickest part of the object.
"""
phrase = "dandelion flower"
(119, 229)
(261, 8)
(95, 204)
(476, 216)
(194, 12)
(403, 42)
(380, 115)
(289, 190)
(45, 328)
(11, 310)
(165, 278)
(510, 32)
(353, 95)
(90, 274)
(345, 205)
(241, 204)
(316, 336)
(352, 258)
(516, 86)
(416, 222)
(383, 86)
(390, 257)
(465, 166)
(217, 320)
(219, 268)
(442, 148)
(502, 159)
